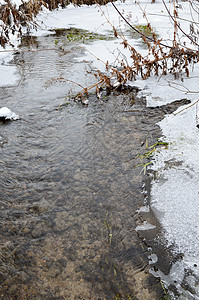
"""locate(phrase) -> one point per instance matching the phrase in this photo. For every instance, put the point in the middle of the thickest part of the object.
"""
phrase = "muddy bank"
(69, 187)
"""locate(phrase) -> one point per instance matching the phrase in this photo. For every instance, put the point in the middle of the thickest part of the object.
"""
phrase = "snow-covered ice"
(8, 76)
(7, 114)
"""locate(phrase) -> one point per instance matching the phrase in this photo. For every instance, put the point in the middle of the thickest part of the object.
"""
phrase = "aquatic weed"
(149, 151)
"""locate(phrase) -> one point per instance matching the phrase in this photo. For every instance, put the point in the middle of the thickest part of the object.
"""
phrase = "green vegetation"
(78, 35)
(166, 296)
(144, 29)
(149, 151)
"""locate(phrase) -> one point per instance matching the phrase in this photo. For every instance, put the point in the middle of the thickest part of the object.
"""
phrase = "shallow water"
(69, 187)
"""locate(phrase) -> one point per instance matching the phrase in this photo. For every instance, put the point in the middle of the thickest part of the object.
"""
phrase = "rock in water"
(7, 114)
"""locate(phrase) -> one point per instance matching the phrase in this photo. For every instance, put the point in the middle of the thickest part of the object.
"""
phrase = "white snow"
(8, 73)
(8, 76)
(7, 114)
(180, 207)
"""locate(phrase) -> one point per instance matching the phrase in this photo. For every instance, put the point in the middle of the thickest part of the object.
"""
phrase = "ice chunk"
(7, 114)
(145, 209)
(152, 258)
(145, 226)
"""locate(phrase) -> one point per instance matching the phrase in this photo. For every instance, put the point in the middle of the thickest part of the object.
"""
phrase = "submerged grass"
(144, 29)
(166, 296)
(149, 151)
(78, 35)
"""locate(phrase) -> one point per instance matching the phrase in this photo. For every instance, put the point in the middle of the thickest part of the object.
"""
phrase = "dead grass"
(13, 18)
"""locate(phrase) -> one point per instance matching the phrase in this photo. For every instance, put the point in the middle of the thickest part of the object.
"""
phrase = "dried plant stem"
(179, 27)
(88, 88)
(103, 81)
(139, 32)
(68, 80)
(186, 107)
(114, 29)
(197, 115)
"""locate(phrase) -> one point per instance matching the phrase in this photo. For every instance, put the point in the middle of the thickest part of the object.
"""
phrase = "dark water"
(69, 188)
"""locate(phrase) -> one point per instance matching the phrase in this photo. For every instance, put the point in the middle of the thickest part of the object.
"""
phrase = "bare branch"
(179, 27)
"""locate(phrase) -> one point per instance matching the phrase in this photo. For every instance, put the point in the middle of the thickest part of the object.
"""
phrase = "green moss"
(145, 29)
(78, 35)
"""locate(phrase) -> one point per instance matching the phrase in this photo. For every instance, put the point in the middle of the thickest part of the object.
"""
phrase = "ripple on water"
(69, 189)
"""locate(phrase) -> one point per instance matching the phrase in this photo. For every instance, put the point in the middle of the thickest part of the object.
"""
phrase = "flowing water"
(69, 189)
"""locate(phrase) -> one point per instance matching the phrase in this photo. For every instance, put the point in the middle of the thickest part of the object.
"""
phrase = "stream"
(70, 190)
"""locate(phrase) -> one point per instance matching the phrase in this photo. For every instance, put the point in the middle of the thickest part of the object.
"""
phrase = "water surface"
(69, 187)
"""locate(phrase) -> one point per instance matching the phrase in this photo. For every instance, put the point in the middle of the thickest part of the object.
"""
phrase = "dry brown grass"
(13, 19)
(161, 59)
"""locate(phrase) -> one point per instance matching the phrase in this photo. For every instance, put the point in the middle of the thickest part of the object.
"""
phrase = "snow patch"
(8, 76)
(175, 197)
(7, 114)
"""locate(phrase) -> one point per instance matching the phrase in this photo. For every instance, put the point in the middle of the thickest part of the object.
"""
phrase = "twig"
(197, 116)
(179, 25)
(186, 107)
(139, 32)
(186, 90)
(68, 80)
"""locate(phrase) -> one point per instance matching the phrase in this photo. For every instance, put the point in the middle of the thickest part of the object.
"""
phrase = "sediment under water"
(69, 187)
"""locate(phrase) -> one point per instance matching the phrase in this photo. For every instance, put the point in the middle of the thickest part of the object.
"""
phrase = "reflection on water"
(69, 189)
